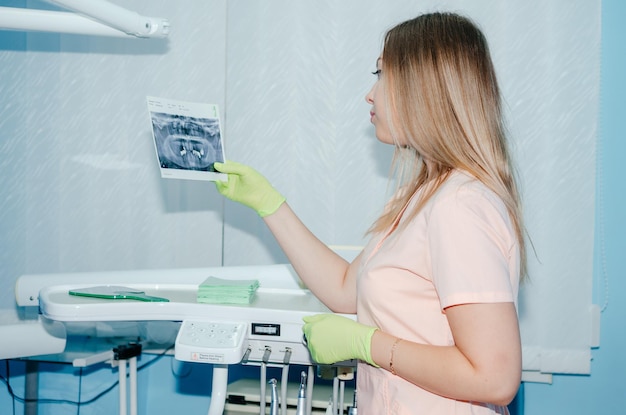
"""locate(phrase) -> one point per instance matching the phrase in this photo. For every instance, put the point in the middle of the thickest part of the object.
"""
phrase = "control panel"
(211, 342)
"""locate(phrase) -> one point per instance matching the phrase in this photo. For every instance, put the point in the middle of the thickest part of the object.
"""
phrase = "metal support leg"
(128, 391)
(218, 391)
(122, 385)
(132, 366)
(32, 387)
(121, 356)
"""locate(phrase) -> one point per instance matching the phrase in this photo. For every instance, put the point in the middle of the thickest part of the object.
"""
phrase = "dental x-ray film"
(187, 138)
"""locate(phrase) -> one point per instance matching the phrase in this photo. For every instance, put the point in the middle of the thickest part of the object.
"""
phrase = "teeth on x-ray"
(187, 142)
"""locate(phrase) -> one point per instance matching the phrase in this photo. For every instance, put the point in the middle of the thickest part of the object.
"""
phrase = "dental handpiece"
(274, 398)
(301, 403)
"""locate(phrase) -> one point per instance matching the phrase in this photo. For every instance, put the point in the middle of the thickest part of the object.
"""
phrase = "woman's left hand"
(332, 338)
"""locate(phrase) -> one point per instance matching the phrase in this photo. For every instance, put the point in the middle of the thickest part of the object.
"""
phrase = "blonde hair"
(445, 113)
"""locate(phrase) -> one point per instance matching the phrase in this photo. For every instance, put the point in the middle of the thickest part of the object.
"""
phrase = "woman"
(435, 289)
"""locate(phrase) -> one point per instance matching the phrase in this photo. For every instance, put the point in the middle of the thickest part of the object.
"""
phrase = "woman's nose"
(369, 97)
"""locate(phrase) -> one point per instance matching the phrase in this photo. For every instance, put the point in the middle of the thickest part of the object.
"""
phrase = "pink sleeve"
(471, 241)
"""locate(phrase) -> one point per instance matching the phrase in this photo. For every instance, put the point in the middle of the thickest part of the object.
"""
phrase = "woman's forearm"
(323, 271)
(484, 370)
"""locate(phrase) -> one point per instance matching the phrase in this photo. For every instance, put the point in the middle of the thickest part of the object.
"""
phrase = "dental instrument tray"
(273, 317)
(116, 292)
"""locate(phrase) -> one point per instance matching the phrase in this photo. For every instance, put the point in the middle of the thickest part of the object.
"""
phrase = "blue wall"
(603, 392)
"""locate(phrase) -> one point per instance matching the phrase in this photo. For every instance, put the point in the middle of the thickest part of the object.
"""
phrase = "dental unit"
(267, 332)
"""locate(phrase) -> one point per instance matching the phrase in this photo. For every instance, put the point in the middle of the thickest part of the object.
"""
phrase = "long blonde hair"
(445, 109)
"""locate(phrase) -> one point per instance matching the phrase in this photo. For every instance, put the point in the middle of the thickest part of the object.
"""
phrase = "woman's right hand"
(248, 187)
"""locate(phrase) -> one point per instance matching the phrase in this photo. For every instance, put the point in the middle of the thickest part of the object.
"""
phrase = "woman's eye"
(376, 73)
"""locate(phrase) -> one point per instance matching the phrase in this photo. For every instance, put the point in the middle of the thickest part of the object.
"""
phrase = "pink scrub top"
(460, 248)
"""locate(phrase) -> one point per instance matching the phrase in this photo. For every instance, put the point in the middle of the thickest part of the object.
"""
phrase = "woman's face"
(377, 99)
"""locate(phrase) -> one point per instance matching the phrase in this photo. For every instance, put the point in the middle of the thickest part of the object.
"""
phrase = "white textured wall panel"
(85, 190)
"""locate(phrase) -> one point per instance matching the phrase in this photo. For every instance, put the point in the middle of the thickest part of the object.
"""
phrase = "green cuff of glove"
(271, 205)
(332, 338)
(368, 346)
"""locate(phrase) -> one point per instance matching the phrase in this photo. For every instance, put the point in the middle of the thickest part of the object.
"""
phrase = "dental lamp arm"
(118, 17)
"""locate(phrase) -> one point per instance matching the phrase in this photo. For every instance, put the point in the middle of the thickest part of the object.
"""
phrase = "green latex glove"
(247, 186)
(332, 338)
